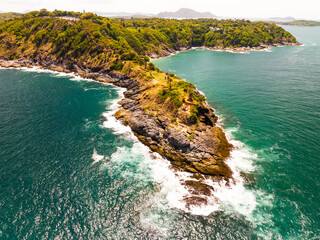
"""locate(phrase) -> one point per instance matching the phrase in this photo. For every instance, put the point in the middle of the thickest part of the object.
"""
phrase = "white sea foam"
(96, 157)
(231, 197)
(236, 195)
(113, 123)
(72, 76)
(268, 49)
(172, 188)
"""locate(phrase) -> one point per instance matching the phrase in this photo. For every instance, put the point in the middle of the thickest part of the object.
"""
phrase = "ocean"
(70, 170)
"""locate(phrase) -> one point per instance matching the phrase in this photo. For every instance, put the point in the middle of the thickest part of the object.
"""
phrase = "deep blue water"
(68, 170)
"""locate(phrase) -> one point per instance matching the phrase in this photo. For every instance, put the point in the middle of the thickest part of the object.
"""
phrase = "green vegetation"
(8, 16)
(87, 41)
(302, 23)
(103, 41)
(174, 95)
(205, 32)
(173, 119)
(194, 114)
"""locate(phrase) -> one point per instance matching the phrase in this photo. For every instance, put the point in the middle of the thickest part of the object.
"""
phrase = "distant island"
(293, 22)
(165, 112)
(307, 23)
(281, 19)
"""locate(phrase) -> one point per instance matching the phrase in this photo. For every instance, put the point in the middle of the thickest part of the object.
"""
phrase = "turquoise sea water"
(69, 170)
(272, 100)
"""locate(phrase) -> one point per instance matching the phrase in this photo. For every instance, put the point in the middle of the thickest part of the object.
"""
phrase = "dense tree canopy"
(103, 40)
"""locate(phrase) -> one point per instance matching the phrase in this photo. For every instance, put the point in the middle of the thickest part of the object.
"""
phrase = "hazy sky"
(306, 9)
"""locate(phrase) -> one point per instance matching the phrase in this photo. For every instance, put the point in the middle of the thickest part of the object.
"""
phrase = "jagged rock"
(195, 201)
(179, 140)
(198, 188)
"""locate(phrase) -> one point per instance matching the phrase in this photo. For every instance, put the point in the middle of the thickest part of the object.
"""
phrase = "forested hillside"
(9, 15)
(101, 41)
(97, 44)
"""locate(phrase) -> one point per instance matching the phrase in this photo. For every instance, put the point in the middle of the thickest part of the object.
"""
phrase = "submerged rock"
(195, 201)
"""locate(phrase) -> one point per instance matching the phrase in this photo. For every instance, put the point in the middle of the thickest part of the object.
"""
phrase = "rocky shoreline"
(204, 155)
(200, 150)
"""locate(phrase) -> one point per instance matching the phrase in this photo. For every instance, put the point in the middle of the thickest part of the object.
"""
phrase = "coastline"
(202, 149)
(262, 47)
(194, 193)
(203, 156)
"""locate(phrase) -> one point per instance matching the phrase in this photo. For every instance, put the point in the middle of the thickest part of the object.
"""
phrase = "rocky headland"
(200, 149)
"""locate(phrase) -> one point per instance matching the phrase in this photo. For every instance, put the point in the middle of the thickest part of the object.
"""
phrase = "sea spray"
(172, 189)
(96, 157)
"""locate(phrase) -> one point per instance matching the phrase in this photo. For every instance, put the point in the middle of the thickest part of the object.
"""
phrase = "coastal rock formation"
(203, 154)
(201, 149)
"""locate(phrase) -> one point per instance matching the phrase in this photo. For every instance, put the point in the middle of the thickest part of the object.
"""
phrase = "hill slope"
(8, 16)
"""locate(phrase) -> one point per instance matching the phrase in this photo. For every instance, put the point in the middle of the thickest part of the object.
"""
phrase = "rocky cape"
(203, 155)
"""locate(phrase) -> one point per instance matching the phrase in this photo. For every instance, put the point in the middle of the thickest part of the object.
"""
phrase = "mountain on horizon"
(281, 19)
(181, 13)
(186, 13)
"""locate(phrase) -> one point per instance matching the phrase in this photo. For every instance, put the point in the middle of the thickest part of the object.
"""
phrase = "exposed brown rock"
(195, 201)
(198, 188)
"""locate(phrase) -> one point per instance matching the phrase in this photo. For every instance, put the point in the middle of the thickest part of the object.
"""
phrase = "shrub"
(128, 55)
(174, 119)
(116, 66)
(175, 96)
(194, 114)
(151, 66)
(194, 118)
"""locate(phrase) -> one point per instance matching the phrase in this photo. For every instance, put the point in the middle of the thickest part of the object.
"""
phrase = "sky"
(306, 9)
